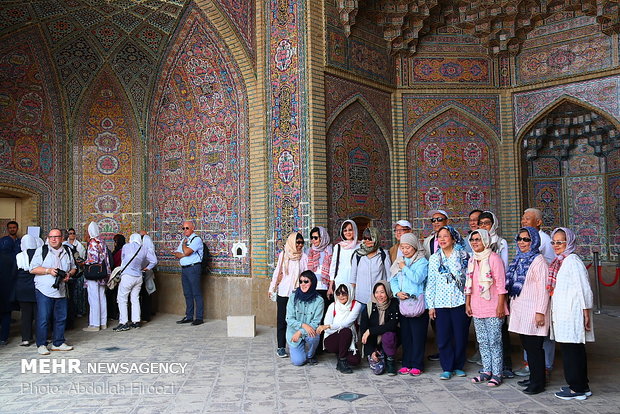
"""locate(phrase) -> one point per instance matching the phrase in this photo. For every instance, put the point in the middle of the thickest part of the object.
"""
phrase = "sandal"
(484, 376)
(495, 381)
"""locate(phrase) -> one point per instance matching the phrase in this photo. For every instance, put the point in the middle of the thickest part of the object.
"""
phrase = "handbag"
(95, 271)
(413, 306)
(115, 277)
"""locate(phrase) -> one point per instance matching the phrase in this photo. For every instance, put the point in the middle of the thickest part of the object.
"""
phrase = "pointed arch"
(359, 98)
(199, 146)
(358, 168)
(554, 104)
(452, 164)
(107, 160)
(471, 117)
(32, 128)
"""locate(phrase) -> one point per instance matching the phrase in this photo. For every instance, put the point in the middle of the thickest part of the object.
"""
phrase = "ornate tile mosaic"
(242, 14)
(546, 195)
(452, 166)
(585, 197)
(450, 70)
(358, 170)
(200, 148)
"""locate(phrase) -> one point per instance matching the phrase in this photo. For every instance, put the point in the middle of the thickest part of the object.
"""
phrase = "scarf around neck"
(555, 266)
(348, 244)
(413, 241)
(381, 307)
(314, 255)
(364, 250)
(517, 270)
(485, 279)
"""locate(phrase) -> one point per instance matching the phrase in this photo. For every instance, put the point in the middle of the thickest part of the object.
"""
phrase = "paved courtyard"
(197, 369)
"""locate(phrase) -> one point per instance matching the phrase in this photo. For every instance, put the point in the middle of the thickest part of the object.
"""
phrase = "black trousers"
(535, 359)
(29, 310)
(413, 337)
(506, 346)
(339, 343)
(575, 366)
(281, 303)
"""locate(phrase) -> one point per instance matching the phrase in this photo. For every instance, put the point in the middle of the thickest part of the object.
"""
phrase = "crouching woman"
(303, 316)
(379, 325)
(340, 330)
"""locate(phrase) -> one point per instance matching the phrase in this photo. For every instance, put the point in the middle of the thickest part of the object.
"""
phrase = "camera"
(60, 276)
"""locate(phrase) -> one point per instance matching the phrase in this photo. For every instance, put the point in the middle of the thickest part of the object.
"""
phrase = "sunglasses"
(71, 232)
(524, 239)
(300, 242)
(475, 240)
(557, 242)
(437, 219)
(342, 294)
(315, 237)
(366, 238)
(485, 223)
(304, 281)
(185, 228)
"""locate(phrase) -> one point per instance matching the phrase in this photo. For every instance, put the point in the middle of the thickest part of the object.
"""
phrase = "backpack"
(205, 258)
(45, 249)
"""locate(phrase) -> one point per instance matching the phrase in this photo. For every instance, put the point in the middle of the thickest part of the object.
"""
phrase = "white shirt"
(54, 259)
(80, 248)
(545, 247)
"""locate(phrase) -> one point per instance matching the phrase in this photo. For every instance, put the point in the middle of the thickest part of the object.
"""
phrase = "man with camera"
(52, 266)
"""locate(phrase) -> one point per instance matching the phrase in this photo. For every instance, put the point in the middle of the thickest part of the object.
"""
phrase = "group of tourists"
(54, 281)
(359, 301)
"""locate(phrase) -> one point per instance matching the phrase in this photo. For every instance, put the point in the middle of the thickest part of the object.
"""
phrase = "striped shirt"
(533, 299)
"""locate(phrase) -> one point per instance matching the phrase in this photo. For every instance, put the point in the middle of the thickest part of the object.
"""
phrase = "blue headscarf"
(460, 252)
(311, 293)
(517, 270)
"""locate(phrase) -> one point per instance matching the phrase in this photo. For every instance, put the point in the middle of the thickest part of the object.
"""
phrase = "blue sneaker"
(459, 373)
(446, 375)
(281, 352)
(568, 394)
(588, 393)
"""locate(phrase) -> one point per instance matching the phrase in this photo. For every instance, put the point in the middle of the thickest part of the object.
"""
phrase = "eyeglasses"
(476, 240)
(315, 237)
(299, 242)
(185, 228)
(557, 242)
(485, 223)
(438, 219)
(401, 230)
(524, 239)
(54, 237)
(304, 281)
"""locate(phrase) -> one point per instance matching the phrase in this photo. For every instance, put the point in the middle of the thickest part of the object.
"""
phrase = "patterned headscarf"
(373, 233)
(517, 270)
(458, 240)
(494, 243)
(348, 244)
(554, 267)
(485, 279)
(314, 255)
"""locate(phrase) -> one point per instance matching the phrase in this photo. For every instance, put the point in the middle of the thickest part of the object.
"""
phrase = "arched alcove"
(358, 170)
(570, 160)
(452, 165)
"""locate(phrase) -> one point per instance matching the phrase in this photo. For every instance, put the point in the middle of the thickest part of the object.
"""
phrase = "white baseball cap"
(403, 223)
(442, 212)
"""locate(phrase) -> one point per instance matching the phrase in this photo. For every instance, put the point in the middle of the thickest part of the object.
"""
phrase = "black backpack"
(205, 258)
(45, 249)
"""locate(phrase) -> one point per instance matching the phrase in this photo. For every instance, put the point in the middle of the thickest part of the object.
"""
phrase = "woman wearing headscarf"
(379, 327)
(409, 274)
(112, 294)
(320, 259)
(291, 262)
(340, 267)
(148, 287)
(526, 281)
(370, 263)
(488, 221)
(97, 253)
(485, 290)
(571, 304)
(445, 299)
(340, 330)
(24, 288)
(304, 311)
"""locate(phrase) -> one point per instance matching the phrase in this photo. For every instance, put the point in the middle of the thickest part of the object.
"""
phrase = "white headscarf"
(485, 279)
(342, 312)
(147, 242)
(28, 243)
(135, 238)
(348, 244)
(93, 230)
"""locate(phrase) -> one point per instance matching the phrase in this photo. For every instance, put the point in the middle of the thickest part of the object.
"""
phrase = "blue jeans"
(190, 279)
(46, 309)
(299, 355)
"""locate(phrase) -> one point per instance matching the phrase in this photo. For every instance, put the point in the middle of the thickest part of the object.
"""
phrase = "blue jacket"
(412, 277)
(299, 313)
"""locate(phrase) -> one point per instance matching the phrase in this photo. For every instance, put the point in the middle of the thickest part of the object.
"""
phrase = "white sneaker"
(91, 328)
(104, 327)
(42, 350)
(62, 347)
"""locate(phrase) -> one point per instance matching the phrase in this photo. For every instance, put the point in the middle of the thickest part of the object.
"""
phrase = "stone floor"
(244, 375)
